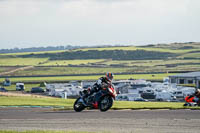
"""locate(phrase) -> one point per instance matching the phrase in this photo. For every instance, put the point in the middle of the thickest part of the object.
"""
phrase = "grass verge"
(68, 103)
(149, 105)
(33, 101)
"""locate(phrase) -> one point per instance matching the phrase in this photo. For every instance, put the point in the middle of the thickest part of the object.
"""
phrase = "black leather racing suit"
(101, 82)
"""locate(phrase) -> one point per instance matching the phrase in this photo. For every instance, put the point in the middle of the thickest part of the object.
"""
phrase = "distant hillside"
(105, 54)
(176, 57)
(188, 50)
(38, 49)
(175, 46)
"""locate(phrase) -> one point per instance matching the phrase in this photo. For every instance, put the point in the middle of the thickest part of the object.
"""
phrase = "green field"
(120, 62)
(155, 77)
(133, 66)
(27, 87)
(150, 62)
(70, 62)
(141, 48)
(3, 69)
(191, 55)
(21, 61)
(71, 70)
(45, 66)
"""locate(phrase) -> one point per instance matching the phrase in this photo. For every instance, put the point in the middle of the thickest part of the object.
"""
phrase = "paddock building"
(186, 78)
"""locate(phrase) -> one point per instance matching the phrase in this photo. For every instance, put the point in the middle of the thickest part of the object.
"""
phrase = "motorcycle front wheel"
(78, 106)
(105, 103)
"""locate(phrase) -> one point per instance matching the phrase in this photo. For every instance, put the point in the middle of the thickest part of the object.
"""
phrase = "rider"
(101, 83)
(194, 98)
(197, 97)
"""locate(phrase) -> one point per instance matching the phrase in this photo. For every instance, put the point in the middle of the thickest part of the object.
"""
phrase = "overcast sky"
(34, 23)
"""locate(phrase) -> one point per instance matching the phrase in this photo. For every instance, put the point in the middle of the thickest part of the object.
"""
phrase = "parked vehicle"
(102, 100)
(59, 89)
(148, 93)
(122, 97)
(187, 91)
(7, 82)
(133, 96)
(57, 92)
(179, 94)
(3, 89)
(20, 87)
(166, 81)
(37, 90)
(165, 96)
(140, 99)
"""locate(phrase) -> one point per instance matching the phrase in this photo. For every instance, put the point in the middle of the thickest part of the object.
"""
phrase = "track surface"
(138, 121)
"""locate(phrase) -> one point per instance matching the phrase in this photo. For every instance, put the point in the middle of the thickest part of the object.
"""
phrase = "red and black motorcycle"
(102, 100)
(191, 101)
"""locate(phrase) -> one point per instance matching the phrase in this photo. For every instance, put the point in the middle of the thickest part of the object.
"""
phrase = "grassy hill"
(177, 57)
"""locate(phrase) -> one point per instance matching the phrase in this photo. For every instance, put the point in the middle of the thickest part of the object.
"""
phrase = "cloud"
(99, 21)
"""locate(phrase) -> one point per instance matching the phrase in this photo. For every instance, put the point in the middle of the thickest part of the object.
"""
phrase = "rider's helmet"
(109, 76)
(197, 93)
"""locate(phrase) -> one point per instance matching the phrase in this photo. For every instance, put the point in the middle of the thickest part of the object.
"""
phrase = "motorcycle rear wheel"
(105, 103)
(78, 106)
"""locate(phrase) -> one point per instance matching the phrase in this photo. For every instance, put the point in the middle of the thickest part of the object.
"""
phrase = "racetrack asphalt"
(114, 121)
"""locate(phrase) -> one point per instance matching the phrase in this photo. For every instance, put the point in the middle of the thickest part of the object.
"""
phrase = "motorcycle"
(190, 101)
(193, 100)
(102, 100)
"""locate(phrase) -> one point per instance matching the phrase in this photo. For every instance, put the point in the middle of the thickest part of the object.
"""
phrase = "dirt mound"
(15, 70)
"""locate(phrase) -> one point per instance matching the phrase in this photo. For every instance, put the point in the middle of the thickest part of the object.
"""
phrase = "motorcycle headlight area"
(112, 91)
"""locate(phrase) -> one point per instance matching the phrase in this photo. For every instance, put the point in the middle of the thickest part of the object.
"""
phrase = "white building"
(186, 78)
